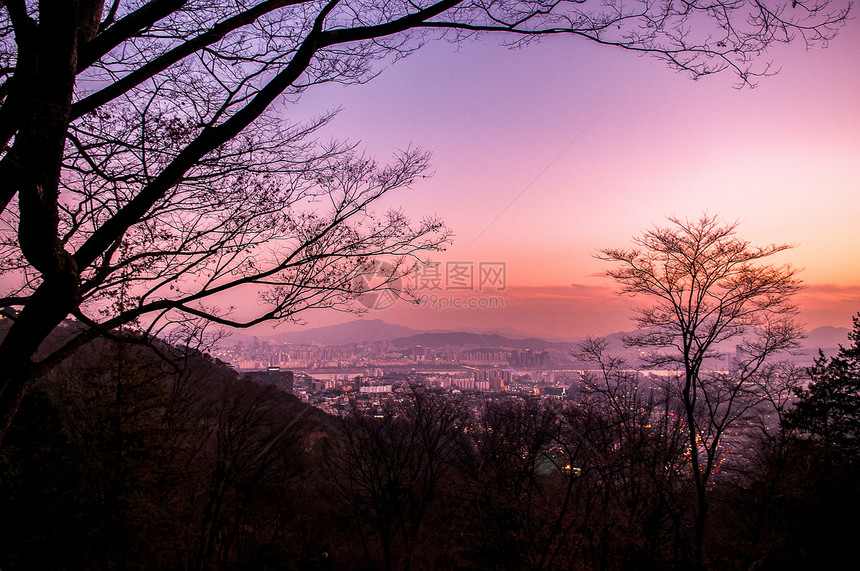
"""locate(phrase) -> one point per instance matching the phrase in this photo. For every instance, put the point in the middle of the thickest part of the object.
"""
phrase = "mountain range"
(370, 330)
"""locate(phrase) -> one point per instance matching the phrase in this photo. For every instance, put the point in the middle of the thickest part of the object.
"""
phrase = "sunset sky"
(543, 155)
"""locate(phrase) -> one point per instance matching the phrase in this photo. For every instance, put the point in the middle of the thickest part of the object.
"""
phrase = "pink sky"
(545, 154)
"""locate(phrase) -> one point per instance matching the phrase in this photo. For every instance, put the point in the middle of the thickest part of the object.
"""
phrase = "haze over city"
(544, 154)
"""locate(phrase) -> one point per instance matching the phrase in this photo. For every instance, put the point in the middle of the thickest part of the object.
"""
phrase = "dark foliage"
(829, 409)
(119, 461)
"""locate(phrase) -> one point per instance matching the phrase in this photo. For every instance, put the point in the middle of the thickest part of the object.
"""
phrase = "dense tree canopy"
(829, 408)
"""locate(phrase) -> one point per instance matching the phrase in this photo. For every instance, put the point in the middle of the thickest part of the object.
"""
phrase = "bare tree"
(759, 478)
(709, 287)
(387, 473)
(154, 170)
(648, 431)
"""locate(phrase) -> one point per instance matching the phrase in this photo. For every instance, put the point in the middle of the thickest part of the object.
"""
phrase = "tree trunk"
(701, 518)
(50, 305)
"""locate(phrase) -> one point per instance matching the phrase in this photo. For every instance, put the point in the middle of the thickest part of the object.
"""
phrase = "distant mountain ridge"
(370, 330)
(491, 340)
(826, 337)
(357, 331)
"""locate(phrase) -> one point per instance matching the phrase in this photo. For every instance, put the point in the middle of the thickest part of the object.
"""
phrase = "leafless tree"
(192, 469)
(648, 432)
(387, 468)
(155, 171)
(763, 461)
(709, 287)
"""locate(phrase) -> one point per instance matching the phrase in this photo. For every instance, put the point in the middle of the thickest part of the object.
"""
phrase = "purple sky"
(543, 155)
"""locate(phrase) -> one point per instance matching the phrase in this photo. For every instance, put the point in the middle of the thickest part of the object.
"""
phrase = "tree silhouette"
(137, 465)
(647, 432)
(829, 408)
(386, 470)
(146, 147)
(799, 493)
(709, 287)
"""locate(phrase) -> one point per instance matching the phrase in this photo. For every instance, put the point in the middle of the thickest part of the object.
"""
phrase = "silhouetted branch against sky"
(703, 285)
(148, 161)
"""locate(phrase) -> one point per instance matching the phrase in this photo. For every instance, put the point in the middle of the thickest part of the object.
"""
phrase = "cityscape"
(333, 375)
